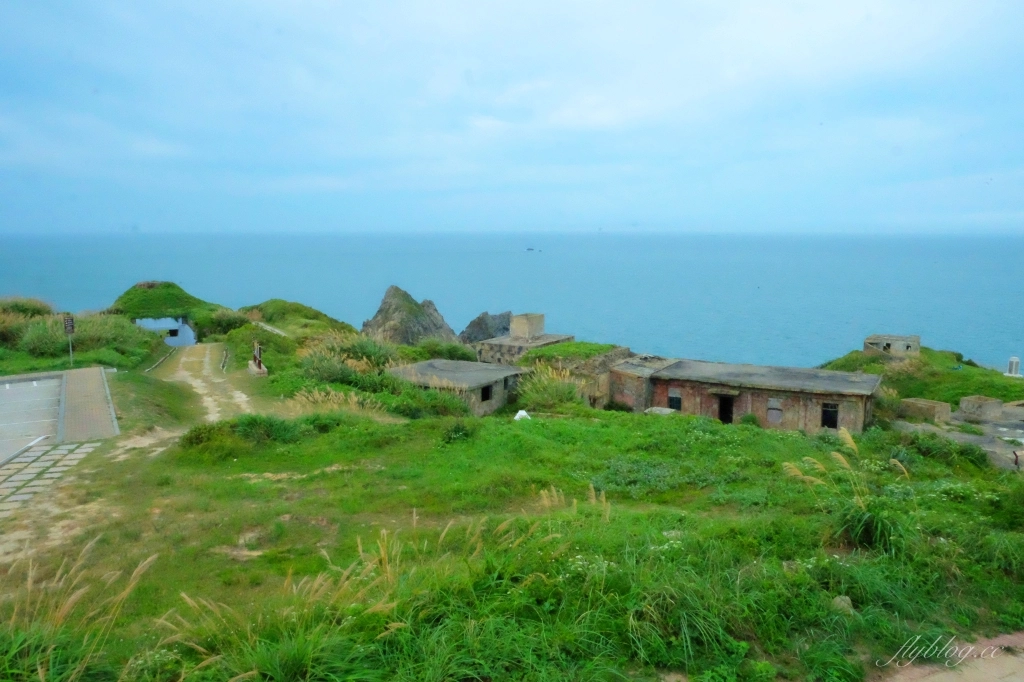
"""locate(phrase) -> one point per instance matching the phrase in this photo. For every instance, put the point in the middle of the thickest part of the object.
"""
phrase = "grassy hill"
(298, 320)
(598, 547)
(167, 299)
(936, 375)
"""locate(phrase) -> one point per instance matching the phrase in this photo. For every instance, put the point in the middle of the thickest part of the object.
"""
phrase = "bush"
(258, 428)
(27, 307)
(877, 525)
(435, 348)
(457, 431)
(200, 434)
(546, 389)
(226, 320)
(44, 338)
(750, 420)
(616, 406)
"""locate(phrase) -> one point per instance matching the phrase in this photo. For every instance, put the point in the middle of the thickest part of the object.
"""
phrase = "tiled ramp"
(36, 471)
(52, 408)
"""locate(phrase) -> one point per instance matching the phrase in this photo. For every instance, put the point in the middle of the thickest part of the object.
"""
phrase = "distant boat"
(529, 248)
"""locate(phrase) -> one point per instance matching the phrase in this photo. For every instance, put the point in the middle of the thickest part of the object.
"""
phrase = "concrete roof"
(454, 373)
(777, 378)
(883, 337)
(643, 365)
(532, 342)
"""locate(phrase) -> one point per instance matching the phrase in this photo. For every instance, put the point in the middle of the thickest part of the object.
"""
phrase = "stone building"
(891, 344)
(526, 332)
(780, 397)
(484, 386)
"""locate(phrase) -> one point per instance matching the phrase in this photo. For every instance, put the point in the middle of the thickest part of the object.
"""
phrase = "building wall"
(629, 389)
(799, 410)
(499, 397)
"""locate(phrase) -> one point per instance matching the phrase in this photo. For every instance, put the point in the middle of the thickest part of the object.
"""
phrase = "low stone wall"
(921, 408)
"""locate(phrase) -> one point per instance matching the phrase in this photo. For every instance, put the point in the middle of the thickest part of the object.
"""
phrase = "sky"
(314, 116)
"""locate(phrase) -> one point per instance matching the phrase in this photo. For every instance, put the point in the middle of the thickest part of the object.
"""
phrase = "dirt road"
(199, 367)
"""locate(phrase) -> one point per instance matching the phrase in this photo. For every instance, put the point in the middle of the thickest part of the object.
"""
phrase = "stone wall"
(980, 408)
(921, 408)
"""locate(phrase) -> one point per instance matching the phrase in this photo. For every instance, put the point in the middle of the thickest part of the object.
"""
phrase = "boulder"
(486, 326)
(400, 319)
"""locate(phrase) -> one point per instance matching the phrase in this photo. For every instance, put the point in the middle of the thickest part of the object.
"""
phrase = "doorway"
(725, 403)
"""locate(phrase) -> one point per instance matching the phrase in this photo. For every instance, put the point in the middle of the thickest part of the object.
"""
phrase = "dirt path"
(199, 367)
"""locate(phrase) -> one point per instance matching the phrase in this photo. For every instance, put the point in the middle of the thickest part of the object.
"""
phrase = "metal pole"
(71, 352)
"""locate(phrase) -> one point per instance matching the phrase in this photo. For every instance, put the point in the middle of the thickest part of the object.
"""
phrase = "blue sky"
(710, 116)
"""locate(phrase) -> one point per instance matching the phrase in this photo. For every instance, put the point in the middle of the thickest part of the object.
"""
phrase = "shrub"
(28, 307)
(435, 348)
(44, 338)
(377, 355)
(258, 428)
(201, 434)
(225, 320)
(875, 525)
(12, 327)
(750, 419)
(457, 431)
(546, 388)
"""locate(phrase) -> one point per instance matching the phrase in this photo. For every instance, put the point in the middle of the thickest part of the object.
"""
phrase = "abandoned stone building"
(980, 408)
(484, 386)
(896, 346)
(780, 397)
(526, 332)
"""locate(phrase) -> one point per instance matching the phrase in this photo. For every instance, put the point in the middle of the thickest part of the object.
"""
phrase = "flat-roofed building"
(780, 397)
(526, 332)
(485, 386)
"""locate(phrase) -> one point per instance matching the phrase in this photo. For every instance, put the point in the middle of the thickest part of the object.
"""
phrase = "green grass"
(570, 350)
(166, 299)
(298, 320)
(936, 375)
(39, 343)
(144, 402)
(706, 558)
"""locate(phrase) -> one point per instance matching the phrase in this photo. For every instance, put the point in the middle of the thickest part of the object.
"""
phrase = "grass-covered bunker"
(485, 386)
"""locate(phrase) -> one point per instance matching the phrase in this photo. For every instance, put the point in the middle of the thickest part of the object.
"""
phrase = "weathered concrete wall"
(499, 397)
(921, 408)
(509, 353)
(526, 325)
(595, 372)
(791, 410)
(981, 408)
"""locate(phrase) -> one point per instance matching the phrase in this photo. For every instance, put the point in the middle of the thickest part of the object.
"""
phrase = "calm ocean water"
(792, 300)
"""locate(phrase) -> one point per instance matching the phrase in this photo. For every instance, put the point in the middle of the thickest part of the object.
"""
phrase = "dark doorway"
(725, 409)
(830, 415)
(485, 393)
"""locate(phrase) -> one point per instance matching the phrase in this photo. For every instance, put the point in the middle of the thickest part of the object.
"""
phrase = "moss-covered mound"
(570, 350)
(167, 299)
(295, 318)
(936, 375)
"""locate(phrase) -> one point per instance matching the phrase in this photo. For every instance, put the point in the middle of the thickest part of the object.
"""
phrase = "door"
(725, 409)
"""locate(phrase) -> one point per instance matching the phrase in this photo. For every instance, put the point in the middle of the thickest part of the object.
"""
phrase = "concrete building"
(980, 408)
(891, 344)
(922, 408)
(485, 386)
(526, 332)
(780, 397)
(1013, 369)
(629, 381)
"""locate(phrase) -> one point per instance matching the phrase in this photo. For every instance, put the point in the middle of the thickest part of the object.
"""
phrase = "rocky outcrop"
(486, 326)
(400, 319)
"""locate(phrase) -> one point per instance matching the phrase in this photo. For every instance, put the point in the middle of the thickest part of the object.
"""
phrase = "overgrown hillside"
(936, 375)
(166, 299)
(298, 320)
(597, 547)
(32, 339)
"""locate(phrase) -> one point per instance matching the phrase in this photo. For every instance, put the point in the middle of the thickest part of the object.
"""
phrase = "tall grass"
(548, 388)
(55, 628)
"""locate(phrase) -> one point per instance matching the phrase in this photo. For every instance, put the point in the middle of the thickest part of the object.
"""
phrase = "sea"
(794, 300)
